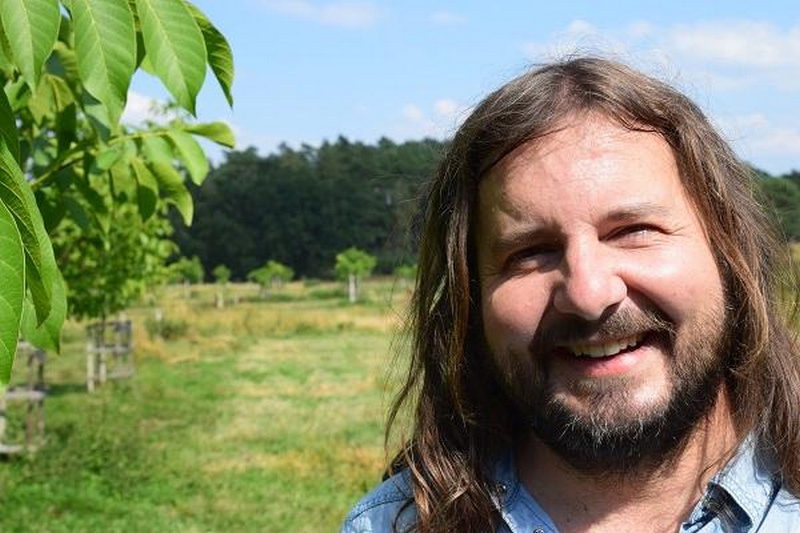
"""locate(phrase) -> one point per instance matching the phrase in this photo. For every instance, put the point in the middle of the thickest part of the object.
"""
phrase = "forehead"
(586, 166)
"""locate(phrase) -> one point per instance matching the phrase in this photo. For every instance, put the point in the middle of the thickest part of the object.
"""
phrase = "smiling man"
(598, 344)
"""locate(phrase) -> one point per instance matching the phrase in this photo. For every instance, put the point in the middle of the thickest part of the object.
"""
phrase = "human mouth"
(606, 349)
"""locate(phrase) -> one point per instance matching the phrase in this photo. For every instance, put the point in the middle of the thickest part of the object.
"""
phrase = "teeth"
(605, 350)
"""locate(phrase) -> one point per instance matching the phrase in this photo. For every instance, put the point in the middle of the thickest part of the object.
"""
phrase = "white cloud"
(137, 108)
(578, 36)
(580, 27)
(447, 18)
(780, 141)
(742, 43)
(446, 108)
(753, 61)
(342, 14)
(640, 29)
(140, 108)
(438, 120)
(413, 113)
(724, 55)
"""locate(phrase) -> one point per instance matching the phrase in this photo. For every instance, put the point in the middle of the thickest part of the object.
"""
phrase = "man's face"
(602, 303)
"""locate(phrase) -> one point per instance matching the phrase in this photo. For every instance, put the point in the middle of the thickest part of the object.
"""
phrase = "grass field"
(266, 415)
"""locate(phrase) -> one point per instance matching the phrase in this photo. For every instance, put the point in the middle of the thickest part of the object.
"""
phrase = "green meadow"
(265, 415)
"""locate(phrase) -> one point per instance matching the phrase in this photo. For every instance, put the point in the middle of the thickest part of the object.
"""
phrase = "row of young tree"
(301, 207)
(352, 267)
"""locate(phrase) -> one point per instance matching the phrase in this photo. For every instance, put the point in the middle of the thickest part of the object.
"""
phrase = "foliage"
(406, 272)
(65, 159)
(186, 270)
(123, 262)
(272, 274)
(354, 262)
(222, 274)
(782, 197)
(302, 206)
(353, 265)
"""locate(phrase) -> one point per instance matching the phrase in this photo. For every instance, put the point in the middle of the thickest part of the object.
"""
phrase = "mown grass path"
(262, 417)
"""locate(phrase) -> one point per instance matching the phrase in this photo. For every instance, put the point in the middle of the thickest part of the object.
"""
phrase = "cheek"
(681, 283)
(511, 314)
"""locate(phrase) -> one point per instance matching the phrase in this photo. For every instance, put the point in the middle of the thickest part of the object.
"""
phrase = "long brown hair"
(461, 421)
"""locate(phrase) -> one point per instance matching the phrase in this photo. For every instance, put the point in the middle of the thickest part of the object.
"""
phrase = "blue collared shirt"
(741, 498)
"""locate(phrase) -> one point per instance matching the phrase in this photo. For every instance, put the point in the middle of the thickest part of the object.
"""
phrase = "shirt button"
(538, 530)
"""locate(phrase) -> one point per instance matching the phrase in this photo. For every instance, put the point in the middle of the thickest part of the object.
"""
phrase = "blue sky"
(309, 70)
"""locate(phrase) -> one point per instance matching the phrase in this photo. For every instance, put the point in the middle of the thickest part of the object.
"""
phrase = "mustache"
(619, 324)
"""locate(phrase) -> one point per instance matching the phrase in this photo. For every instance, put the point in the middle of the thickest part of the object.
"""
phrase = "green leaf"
(6, 63)
(170, 184)
(12, 281)
(52, 95)
(192, 154)
(220, 56)
(219, 132)
(32, 29)
(46, 335)
(98, 209)
(40, 263)
(156, 148)
(77, 213)
(99, 118)
(147, 189)
(107, 157)
(105, 47)
(18, 94)
(66, 128)
(8, 126)
(175, 48)
(64, 63)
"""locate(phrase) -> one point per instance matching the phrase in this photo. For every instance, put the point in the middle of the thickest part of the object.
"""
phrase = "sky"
(310, 70)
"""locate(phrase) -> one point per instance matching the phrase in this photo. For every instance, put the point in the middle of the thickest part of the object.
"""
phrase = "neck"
(577, 501)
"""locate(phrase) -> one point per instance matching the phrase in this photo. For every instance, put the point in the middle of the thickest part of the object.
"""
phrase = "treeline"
(782, 196)
(303, 206)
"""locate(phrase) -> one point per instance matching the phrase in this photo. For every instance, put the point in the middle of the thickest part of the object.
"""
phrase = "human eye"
(635, 234)
(533, 257)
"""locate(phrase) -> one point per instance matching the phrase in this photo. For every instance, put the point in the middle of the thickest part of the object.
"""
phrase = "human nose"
(590, 282)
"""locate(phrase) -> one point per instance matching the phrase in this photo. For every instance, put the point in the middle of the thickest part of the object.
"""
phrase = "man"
(598, 344)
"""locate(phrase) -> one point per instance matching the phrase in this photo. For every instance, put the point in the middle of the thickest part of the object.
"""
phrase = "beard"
(613, 435)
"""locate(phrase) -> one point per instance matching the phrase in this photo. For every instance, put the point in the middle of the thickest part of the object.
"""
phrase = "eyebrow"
(536, 232)
(636, 212)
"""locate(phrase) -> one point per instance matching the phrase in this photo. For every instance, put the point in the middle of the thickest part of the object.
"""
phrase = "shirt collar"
(743, 489)
(740, 493)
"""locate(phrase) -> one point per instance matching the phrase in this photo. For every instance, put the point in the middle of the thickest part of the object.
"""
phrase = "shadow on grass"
(64, 389)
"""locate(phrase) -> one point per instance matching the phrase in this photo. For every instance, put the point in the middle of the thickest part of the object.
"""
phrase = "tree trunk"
(352, 288)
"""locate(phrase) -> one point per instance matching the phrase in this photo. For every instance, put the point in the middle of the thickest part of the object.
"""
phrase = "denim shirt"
(742, 497)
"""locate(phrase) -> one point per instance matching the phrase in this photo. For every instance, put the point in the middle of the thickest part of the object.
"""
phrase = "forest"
(302, 206)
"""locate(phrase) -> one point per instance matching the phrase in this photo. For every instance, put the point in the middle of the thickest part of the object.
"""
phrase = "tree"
(353, 265)
(123, 262)
(65, 67)
(406, 273)
(782, 196)
(186, 270)
(273, 274)
(222, 275)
